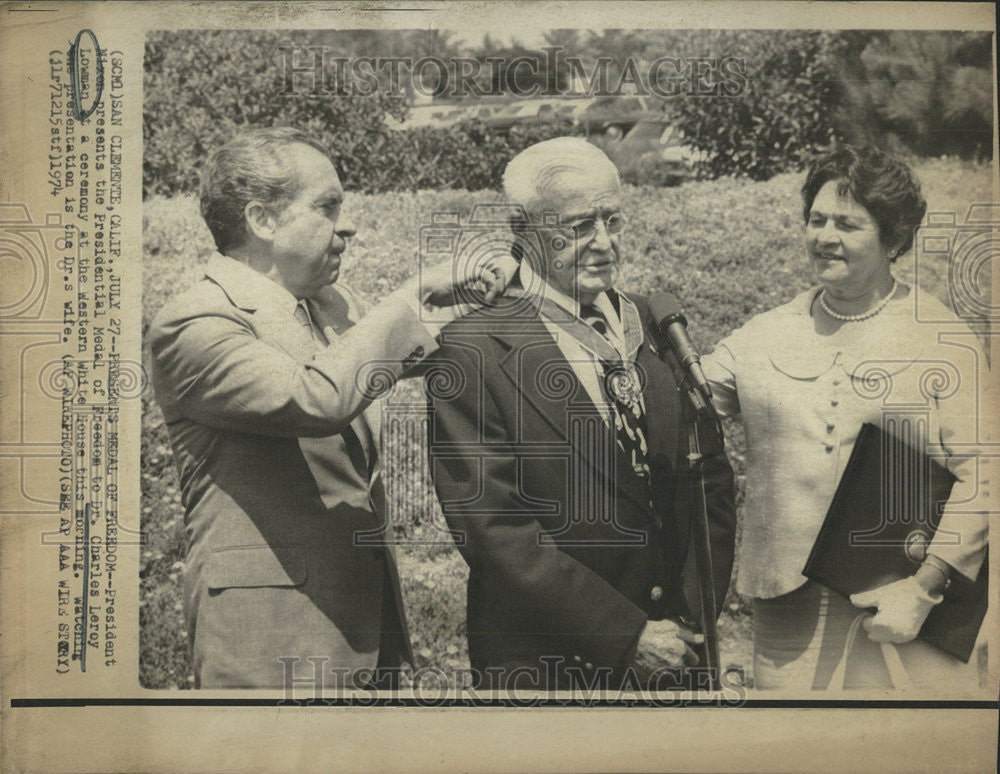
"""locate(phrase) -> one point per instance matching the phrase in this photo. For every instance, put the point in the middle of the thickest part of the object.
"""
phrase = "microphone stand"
(705, 439)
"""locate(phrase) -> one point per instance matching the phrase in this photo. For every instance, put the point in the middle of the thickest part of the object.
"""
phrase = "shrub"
(203, 86)
(928, 93)
(651, 170)
(468, 156)
(780, 120)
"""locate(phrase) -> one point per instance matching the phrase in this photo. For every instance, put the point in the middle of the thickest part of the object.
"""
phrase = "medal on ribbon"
(622, 383)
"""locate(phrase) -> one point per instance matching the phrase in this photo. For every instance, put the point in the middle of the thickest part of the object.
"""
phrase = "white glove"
(903, 606)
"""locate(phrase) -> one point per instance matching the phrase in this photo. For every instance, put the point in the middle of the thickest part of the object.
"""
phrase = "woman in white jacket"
(805, 376)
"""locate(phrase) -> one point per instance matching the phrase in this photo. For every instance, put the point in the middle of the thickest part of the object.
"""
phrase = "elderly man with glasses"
(557, 448)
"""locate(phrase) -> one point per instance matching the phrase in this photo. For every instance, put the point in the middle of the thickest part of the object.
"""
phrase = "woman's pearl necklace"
(864, 315)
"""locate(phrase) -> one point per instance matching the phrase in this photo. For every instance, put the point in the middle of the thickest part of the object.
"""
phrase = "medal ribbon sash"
(620, 381)
(588, 338)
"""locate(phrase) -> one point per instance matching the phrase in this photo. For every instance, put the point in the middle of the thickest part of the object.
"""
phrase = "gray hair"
(532, 174)
(253, 166)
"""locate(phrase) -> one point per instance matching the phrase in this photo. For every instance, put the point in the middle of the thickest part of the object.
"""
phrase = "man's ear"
(260, 221)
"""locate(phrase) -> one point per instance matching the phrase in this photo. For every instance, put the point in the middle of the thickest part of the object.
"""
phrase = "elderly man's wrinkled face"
(309, 235)
(581, 252)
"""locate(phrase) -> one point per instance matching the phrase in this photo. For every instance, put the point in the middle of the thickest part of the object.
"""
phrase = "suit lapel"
(331, 315)
(543, 379)
(272, 306)
(279, 326)
(632, 330)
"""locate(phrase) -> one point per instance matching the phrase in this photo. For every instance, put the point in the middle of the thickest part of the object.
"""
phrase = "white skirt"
(799, 640)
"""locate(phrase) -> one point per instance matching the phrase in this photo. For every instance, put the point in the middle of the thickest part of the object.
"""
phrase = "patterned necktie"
(304, 319)
(620, 387)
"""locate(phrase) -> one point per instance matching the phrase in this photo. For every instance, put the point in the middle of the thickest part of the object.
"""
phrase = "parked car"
(627, 128)
(615, 116)
(653, 149)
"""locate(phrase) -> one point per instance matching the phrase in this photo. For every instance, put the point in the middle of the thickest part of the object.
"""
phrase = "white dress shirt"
(586, 367)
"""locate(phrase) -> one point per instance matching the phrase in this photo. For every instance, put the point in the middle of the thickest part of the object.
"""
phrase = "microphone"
(671, 331)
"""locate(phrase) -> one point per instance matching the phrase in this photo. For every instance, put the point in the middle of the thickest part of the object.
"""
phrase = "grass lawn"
(727, 248)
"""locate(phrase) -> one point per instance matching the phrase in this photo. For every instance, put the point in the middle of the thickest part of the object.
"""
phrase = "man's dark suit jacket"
(568, 557)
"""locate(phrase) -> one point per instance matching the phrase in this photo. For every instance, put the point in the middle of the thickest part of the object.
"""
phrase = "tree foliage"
(202, 87)
(929, 93)
(800, 92)
(779, 120)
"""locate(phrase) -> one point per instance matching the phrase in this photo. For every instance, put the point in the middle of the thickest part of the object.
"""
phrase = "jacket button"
(588, 665)
(834, 402)
(828, 447)
(656, 593)
(577, 659)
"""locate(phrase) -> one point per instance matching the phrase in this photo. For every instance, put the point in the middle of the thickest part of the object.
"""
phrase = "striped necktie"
(619, 384)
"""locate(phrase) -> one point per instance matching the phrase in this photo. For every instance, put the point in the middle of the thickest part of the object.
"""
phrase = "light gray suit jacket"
(279, 474)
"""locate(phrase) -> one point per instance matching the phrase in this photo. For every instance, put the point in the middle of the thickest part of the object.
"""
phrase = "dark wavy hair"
(252, 166)
(883, 185)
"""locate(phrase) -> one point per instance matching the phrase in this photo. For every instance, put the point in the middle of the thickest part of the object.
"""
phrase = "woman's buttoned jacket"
(914, 369)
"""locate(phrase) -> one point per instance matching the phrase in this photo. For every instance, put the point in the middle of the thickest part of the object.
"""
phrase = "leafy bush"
(728, 249)
(923, 93)
(781, 118)
(203, 86)
(929, 93)
(651, 170)
(467, 156)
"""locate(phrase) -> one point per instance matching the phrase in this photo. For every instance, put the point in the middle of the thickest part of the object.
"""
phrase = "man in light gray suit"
(266, 373)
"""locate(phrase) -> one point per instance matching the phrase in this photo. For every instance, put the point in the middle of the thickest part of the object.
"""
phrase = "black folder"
(886, 510)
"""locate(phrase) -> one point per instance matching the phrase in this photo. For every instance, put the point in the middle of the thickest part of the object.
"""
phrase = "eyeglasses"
(586, 229)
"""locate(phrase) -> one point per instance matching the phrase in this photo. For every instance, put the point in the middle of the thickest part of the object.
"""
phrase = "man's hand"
(463, 281)
(902, 608)
(666, 645)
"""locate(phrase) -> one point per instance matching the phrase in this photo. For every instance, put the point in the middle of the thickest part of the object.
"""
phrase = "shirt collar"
(534, 285)
(889, 340)
(625, 329)
(247, 288)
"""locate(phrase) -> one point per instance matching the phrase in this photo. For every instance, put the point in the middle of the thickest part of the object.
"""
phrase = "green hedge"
(926, 93)
(780, 120)
(201, 87)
